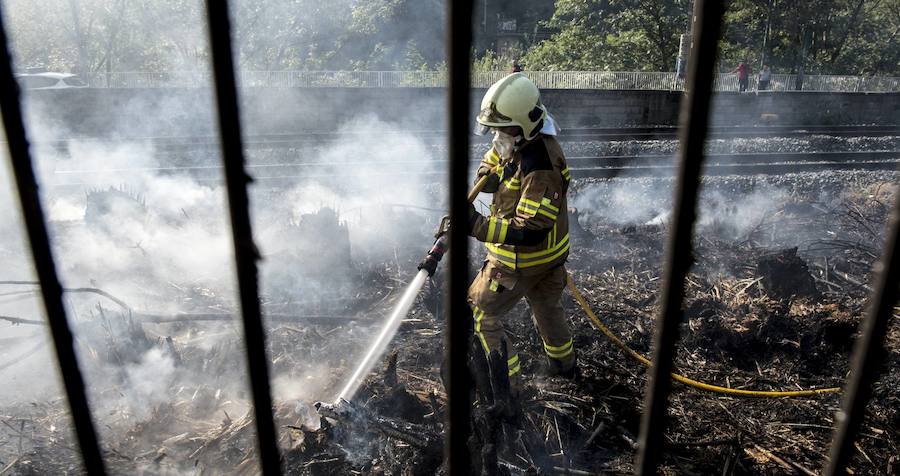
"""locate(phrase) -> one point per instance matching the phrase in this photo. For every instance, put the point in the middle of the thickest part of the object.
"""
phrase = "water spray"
(427, 268)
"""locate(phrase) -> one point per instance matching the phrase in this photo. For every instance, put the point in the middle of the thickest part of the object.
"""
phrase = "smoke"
(728, 213)
(126, 216)
(149, 381)
(736, 217)
(124, 220)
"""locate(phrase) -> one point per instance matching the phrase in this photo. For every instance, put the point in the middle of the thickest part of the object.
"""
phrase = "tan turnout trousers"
(495, 292)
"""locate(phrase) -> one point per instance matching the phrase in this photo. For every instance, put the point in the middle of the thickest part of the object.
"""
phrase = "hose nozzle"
(434, 255)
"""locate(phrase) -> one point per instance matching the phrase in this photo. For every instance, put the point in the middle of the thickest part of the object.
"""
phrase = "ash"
(773, 302)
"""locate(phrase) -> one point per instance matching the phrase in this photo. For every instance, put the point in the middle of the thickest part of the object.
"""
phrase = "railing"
(655, 81)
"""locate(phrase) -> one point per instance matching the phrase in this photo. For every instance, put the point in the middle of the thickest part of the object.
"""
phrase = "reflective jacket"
(528, 227)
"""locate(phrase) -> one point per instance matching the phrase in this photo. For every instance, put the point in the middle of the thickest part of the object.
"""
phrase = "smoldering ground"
(159, 240)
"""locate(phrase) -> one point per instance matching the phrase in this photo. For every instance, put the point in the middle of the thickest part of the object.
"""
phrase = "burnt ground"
(773, 303)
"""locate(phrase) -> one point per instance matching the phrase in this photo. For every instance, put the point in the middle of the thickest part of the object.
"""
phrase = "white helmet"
(512, 101)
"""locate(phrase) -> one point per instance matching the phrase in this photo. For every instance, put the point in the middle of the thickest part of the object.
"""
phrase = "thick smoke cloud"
(159, 239)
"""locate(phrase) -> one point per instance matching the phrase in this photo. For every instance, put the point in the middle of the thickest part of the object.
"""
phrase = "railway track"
(581, 167)
(298, 140)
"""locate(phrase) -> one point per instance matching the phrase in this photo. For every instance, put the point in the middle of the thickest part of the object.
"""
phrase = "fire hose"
(440, 247)
(681, 378)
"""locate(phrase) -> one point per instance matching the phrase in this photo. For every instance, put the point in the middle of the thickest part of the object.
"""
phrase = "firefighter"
(527, 232)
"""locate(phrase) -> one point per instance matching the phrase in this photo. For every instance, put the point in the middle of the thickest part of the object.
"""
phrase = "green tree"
(612, 35)
(811, 36)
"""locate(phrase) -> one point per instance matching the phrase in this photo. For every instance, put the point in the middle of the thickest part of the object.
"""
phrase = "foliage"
(134, 35)
(612, 35)
(813, 36)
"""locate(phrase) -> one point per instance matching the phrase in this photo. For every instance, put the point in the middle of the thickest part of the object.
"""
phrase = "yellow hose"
(640, 358)
(681, 378)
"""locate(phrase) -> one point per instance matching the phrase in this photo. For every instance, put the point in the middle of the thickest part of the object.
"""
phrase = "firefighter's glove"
(473, 219)
(493, 180)
(507, 171)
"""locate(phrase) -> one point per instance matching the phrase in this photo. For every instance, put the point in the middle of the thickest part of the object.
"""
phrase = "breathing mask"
(505, 144)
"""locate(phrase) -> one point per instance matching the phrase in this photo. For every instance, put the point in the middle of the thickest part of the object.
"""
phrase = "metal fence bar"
(236, 180)
(44, 265)
(694, 119)
(459, 31)
(869, 353)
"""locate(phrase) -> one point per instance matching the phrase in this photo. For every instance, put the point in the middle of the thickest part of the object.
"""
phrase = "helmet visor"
(490, 117)
(481, 129)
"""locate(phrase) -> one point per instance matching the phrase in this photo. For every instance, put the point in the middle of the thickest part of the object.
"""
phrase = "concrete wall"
(185, 112)
(806, 108)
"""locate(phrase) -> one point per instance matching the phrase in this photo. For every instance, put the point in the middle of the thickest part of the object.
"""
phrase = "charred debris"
(774, 305)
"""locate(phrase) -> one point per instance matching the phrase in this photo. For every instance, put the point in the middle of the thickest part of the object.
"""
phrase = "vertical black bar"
(869, 354)
(245, 251)
(459, 34)
(694, 119)
(44, 265)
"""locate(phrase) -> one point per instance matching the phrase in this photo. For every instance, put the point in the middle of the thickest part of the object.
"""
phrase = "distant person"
(743, 74)
(765, 76)
(517, 68)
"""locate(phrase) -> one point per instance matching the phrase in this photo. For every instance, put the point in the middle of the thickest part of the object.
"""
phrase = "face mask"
(505, 144)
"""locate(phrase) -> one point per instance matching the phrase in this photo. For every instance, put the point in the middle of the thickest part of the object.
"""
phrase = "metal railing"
(604, 80)
(868, 352)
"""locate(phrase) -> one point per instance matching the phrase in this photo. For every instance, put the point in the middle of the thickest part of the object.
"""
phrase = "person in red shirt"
(743, 74)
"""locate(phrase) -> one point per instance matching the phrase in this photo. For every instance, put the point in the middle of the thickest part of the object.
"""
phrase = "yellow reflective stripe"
(528, 202)
(500, 251)
(559, 348)
(508, 258)
(515, 370)
(546, 203)
(504, 229)
(513, 365)
(547, 214)
(492, 158)
(497, 230)
(527, 207)
(527, 260)
(561, 355)
(513, 184)
(478, 314)
(547, 209)
(548, 259)
(561, 351)
(565, 173)
(538, 254)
